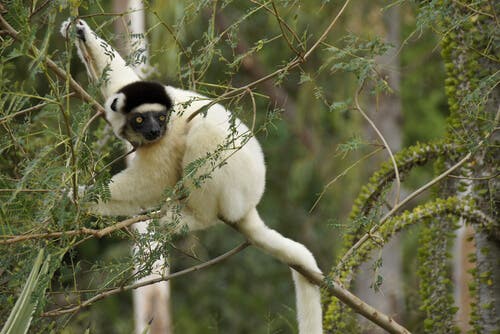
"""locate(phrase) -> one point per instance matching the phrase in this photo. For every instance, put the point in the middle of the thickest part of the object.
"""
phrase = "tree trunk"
(151, 303)
(470, 53)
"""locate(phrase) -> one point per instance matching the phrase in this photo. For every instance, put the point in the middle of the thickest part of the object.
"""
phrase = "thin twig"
(24, 111)
(484, 178)
(254, 110)
(288, 42)
(26, 190)
(379, 134)
(327, 30)
(281, 21)
(124, 155)
(344, 172)
(291, 65)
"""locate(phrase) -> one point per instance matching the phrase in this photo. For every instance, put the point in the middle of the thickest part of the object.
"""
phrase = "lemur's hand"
(82, 29)
(81, 192)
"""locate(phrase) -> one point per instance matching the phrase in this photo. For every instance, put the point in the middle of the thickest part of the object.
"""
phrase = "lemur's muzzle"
(152, 134)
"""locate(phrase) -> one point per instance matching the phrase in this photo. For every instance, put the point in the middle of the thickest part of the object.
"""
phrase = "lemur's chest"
(161, 163)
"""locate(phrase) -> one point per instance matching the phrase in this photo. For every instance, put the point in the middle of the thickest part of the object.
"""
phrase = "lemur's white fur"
(232, 192)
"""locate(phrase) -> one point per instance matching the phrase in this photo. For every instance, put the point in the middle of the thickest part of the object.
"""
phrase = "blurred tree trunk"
(151, 303)
(461, 274)
(386, 113)
(470, 60)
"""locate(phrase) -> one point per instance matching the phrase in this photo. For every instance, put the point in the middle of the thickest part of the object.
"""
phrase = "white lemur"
(153, 118)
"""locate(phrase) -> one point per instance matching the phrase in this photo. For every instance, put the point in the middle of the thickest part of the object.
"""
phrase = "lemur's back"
(232, 159)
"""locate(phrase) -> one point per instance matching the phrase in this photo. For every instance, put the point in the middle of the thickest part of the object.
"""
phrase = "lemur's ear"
(115, 102)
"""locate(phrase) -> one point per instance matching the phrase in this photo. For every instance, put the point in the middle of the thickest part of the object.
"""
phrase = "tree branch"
(379, 134)
(351, 300)
(111, 292)
(97, 233)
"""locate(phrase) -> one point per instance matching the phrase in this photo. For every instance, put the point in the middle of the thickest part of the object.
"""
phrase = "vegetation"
(308, 74)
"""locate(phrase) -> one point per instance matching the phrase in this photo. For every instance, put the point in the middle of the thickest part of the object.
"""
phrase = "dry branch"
(355, 303)
(97, 233)
(111, 292)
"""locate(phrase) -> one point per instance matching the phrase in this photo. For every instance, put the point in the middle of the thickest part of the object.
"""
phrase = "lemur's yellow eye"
(139, 119)
(162, 118)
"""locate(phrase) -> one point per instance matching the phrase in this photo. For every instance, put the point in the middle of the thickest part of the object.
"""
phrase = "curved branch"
(384, 219)
(440, 207)
(407, 159)
(461, 208)
(382, 138)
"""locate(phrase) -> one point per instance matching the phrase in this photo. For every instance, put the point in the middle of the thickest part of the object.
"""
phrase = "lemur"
(154, 119)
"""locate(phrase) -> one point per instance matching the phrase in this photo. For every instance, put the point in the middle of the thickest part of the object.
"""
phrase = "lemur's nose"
(153, 134)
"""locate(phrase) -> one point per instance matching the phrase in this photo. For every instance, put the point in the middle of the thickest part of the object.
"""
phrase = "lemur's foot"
(82, 29)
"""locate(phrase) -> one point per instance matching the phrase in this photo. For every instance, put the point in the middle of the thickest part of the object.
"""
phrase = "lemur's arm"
(105, 63)
(101, 60)
(130, 195)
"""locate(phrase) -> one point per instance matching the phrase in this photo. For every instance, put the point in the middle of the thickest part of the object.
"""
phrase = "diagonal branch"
(354, 302)
(82, 231)
(82, 93)
(137, 285)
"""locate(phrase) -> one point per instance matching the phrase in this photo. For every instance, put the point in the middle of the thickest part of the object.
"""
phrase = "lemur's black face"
(145, 127)
(140, 112)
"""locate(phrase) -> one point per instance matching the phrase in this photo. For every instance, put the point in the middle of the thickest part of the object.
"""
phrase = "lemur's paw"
(81, 29)
(65, 28)
(80, 191)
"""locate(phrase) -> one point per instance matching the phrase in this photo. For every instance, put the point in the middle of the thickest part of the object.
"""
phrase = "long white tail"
(308, 296)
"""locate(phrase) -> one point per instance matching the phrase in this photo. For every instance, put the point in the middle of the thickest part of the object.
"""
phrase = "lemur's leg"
(102, 61)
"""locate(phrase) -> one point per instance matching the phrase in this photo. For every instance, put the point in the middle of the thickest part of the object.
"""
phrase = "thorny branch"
(397, 207)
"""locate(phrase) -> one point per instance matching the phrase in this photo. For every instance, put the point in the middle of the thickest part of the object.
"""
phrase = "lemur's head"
(139, 112)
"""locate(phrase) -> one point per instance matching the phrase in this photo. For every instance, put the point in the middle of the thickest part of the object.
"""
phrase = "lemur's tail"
(308, 296)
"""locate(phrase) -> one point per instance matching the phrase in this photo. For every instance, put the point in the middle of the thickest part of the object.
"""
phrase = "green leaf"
(21, 315)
